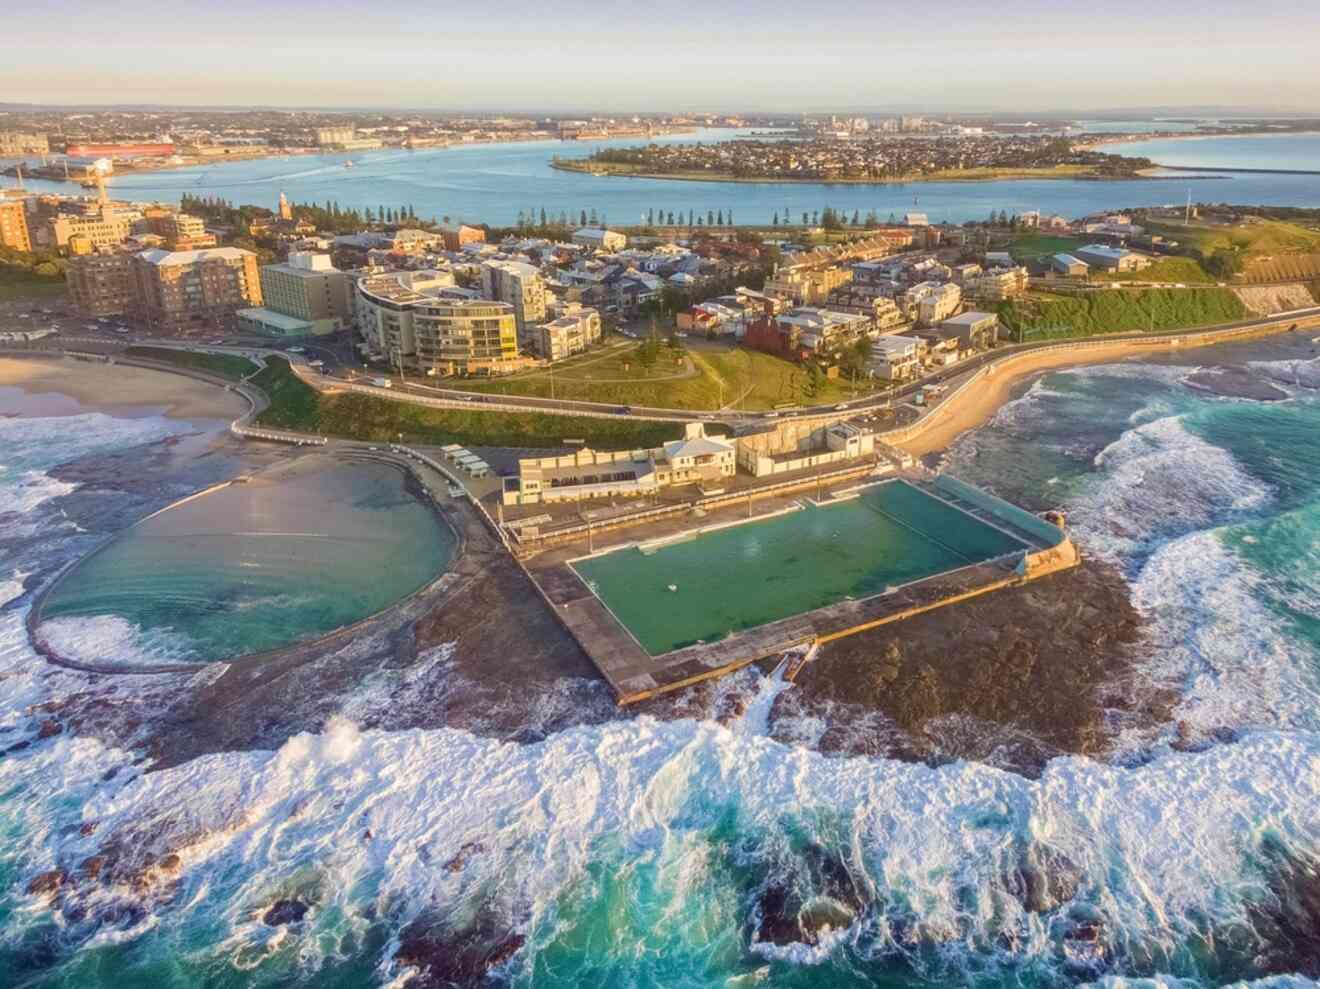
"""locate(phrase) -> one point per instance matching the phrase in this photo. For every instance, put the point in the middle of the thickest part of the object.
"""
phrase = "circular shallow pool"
(294, 553)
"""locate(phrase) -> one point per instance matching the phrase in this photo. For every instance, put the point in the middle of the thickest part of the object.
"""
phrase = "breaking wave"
(109, 640)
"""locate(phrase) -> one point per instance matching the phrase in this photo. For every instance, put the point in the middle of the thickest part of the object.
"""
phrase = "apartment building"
(934, 301)
(571, 333)
(13, 225)
(107, 227)
(309, 288)
(466, 337)
(806, 286)
(521, 286)
(997, 285)
(895, 358)
(185, 292)
(101, 284)
(799, 333)
(418, 329)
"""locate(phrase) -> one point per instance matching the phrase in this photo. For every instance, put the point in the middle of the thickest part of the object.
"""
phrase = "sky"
(768, 55)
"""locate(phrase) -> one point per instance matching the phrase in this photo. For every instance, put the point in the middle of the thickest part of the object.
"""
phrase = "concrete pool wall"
(636, 674)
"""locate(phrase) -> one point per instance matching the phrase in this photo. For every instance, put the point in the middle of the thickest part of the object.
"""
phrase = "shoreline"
(131, 391)
(1019, 175)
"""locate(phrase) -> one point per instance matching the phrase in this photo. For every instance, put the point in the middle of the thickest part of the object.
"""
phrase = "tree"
(806, 218)
(710, 218)
(594, 219)
(650, 218)
(775, 221)
(719, 218)
(729, 217)
(854, 219)
(584, 218)
(671, 218)
(543, 217)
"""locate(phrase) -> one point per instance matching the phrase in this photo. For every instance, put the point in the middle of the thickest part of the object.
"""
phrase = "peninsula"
(878, 159)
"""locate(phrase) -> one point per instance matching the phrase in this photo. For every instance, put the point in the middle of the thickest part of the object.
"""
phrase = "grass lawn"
(1096, 313)
(1256, 237)
(224, 365)
(758, 381)
(1185, 270)
(295, 405)
(1038, 245)
(22, 285)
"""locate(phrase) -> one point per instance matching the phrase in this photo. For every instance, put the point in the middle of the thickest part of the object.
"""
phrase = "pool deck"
(635, 675)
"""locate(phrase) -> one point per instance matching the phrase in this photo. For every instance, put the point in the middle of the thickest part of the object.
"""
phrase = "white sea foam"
(1159, 480)
(12, 587)
(1294, 373)
(379, 810)
(111, 640)
(32, 446)
(1235, 663)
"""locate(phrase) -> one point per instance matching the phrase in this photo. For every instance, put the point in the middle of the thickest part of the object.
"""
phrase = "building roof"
(1105, 251)
(161, 257)
(596, 232)
(700, 446)
(276, 321)
(968, 319)
(1068, 260)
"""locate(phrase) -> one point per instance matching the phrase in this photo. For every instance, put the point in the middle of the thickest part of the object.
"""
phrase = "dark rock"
(88, 827)
(48, 883)
(448, 958)
(92, 867)
(283, 912)
(49, 728)
(461, 857)
(817, 895)
(1045, 878)
(20, 746)
(1287, 922)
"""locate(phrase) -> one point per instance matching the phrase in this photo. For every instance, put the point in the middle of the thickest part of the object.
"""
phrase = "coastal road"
(337, 373)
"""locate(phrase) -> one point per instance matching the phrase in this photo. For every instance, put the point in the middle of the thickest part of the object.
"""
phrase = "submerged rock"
(283, 912)
(461, 857)
(448, 958)
(47, 883)
(818, 895)
(1044, 879)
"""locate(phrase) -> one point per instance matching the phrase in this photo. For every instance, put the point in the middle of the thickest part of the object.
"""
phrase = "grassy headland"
(1099, 312)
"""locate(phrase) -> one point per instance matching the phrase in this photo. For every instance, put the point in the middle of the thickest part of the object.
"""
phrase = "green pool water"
(747, 575)
(296, 552)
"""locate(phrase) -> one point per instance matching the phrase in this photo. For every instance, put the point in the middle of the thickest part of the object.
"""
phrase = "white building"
(600, 239)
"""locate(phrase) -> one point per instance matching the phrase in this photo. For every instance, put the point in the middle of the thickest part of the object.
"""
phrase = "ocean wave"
(1157, 481)
(110, 640)
(1295, 373)
(1236, 664)
(396, 823)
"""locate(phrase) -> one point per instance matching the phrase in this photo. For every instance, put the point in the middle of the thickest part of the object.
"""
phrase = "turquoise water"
(747, 575)
(646, 852)
(295, 553)
(493, 183)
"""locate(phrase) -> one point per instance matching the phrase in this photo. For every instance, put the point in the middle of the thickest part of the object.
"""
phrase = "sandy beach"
(116, 388)
(983, 399)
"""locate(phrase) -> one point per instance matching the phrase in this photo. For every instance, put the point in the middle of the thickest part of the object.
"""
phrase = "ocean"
(493, 183)
(638, 852)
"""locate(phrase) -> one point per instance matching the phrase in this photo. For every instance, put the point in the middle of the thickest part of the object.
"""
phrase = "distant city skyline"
(769, 56)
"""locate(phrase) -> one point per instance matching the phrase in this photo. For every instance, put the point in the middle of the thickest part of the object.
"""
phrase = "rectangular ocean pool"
(747, 575)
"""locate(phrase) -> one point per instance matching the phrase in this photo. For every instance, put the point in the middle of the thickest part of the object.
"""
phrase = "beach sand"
(982, 400)
(115, 389)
